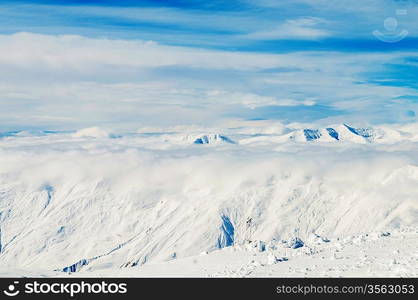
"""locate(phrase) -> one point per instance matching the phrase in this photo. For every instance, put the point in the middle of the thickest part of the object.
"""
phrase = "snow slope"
(364, 255)
(70, 203)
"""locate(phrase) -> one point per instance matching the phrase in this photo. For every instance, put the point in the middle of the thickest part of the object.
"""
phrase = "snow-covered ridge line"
(65, 202)
(373, 254)
(342, 133)
(93, 202)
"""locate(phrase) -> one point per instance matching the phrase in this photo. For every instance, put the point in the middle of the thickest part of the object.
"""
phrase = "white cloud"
(302, 28)
(91, 132)
(253, 101)
(76, 53)
(74, 82)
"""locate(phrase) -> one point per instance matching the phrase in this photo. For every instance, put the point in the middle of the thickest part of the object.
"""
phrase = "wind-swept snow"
(76, 204)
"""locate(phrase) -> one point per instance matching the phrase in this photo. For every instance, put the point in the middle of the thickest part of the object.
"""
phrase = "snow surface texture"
(264, 200)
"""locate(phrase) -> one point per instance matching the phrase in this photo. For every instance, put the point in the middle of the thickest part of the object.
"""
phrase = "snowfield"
(260, 200)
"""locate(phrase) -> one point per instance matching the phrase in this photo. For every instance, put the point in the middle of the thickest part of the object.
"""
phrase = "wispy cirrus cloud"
(72, 81)
(303, 28)
(73, 64)
(242, 24)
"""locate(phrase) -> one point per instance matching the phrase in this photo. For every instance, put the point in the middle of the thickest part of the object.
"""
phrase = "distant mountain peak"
(333, 133)
(343, 132)
(312, 134)
(212, 139)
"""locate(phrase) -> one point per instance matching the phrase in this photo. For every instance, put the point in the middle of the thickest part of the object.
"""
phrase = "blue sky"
(72, 64)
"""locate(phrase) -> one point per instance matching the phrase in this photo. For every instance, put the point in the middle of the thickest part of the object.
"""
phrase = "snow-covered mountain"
(213, 139)
(338, 134)
(73, 203)
(346, 133)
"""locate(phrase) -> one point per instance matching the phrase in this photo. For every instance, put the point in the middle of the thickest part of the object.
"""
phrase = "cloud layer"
(118, 66)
